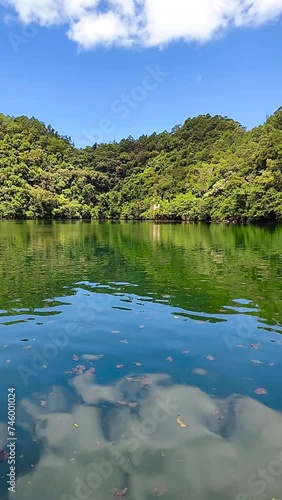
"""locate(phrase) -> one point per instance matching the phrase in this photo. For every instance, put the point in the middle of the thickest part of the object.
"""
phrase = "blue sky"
(107, 91)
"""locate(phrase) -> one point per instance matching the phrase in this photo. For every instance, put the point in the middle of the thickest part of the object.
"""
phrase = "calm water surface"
(110, 332)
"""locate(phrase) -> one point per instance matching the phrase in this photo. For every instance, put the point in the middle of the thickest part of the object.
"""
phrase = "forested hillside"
(210, 168)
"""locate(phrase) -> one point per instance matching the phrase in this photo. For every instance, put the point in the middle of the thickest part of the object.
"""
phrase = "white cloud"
(144, 22)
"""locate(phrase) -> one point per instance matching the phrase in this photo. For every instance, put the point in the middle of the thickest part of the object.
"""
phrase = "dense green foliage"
(208, 169)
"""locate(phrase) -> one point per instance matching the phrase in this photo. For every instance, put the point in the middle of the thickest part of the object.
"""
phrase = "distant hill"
(210, 168)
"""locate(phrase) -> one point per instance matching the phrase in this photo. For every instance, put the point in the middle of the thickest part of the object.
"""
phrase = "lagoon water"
(111, 332)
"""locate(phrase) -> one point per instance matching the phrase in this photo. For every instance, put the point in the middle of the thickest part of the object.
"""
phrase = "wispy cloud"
(145, 23)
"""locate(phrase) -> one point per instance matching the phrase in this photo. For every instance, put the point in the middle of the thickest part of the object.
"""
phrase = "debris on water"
(137, 364)
(90, 371)
(24, 340)
(240, 346)
(200, 371)
(257, 362)
(261, 391)
(180, 423)
(185, 352)
(145, 381)
(169, 359)
(119, 366)
(43, 402)
(79, 369)
(132, 379)
(72, 460)
(124, 341)
(159, 491)
(76, 425)
(26, 347)
(115, 332)
(218, 415)
(272, 363)
(209, 357)
(119, 493)
(126, 403)
(4, 455)
(92, 357)
(75, 357)
(255, 346)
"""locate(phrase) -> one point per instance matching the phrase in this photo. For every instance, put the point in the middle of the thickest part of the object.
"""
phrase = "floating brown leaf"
(180, 423)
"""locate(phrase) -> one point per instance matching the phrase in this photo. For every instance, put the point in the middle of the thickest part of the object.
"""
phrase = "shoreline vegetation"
(210, 169)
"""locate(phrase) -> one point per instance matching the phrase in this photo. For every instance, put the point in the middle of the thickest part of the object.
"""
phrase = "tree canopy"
(210, 168)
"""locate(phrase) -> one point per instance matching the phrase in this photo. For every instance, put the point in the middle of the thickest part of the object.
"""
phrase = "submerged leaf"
(92, 357)
(256, 361)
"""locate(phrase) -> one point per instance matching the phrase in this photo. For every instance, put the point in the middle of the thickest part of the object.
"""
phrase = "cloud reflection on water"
(210, 460)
